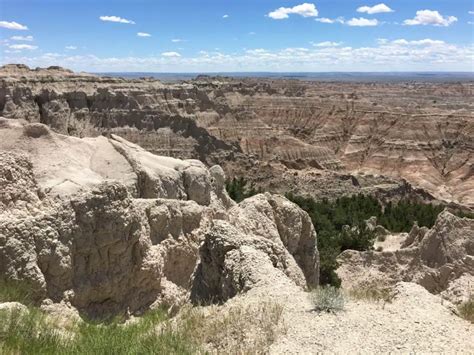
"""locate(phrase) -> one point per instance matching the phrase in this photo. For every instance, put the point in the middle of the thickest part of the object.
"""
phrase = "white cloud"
(329, 20)
(171, 54)
(177, 40)
(376, 9)
(116, 19)
(13, 25)
(412, 55)
(22, 47)
(225, 16)
(71, 48)
(22, 38)
(252, 33)
(471, 12)
(362, 22)
(422, 42)
(256, 51)
(327, 44)
(143, 34)
(430, 17)
(305, 10)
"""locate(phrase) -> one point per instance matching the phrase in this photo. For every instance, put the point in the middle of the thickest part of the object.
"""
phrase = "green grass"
(33, 333)
(195, 330)
(17, 291)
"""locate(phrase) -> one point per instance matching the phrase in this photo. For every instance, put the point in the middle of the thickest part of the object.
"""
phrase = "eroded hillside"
(317, 138)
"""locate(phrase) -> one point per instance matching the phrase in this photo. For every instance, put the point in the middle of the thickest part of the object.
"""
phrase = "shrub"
(327, 299)
(466, 309)
(238, 189)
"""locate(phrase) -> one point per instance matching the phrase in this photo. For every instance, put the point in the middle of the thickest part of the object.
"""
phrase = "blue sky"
(239, 35)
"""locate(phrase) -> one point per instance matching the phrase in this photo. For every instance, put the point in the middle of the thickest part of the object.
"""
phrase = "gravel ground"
(415, 321)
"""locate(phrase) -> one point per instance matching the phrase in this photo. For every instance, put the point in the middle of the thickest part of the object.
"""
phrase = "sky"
(239, 35)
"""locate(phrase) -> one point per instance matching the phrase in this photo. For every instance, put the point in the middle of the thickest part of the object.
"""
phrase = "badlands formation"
(388, 139)
(113, 200)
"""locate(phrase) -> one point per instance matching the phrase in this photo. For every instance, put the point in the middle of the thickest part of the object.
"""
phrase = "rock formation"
(440, 259)
(107, 227)
(388, 139)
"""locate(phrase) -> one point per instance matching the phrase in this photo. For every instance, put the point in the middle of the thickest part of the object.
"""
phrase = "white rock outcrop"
(106, 227)
(440, 259)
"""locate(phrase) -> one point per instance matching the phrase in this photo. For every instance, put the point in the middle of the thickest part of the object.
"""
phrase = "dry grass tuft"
(466, 310)
(372, 294)
(237, 329)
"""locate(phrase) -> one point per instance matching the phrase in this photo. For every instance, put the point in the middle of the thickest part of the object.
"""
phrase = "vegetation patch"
(327, 299)
(235, 329)
(17, 291)
(466, 309)
(32, 332)
(239, 189)
(372, 294)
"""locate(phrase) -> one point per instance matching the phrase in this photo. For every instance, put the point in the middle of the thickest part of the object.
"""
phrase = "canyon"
(113, 202)
(388, 139)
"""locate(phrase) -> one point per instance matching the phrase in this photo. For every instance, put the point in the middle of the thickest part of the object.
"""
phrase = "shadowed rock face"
(102, 225)
(286, 134)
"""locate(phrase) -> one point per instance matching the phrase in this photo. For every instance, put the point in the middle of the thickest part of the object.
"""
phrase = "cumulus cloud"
(329, 20)
(177, 40)
(430, 17)
(143, 34)
(171, 54)
(21, 47)
(305, 10)
(225, 16)
(116, 19)
(471, 12)
(376, 9)
(13, 25)
(362, 22)
(22, 38)
(422, 42)
(71, 48)
(327, 44)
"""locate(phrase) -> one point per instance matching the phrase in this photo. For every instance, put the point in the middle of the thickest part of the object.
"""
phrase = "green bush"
(238, 189)
(327, 299)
